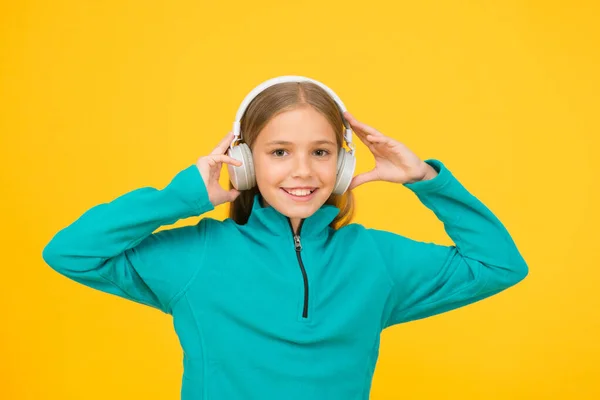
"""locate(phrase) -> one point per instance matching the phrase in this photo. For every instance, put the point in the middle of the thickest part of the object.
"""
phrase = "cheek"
(266, 171)
(328, 171)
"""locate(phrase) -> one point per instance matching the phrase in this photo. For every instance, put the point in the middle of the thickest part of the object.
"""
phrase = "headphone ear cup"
(345, 171)
(242, 177)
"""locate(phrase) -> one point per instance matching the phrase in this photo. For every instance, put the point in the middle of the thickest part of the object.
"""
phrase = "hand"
(210, 168)
(394, 162)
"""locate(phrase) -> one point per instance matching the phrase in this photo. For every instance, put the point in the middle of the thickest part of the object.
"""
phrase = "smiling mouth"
(299, 192)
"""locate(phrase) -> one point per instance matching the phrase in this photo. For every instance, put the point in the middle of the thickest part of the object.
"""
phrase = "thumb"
(363, 178)
(233, 194)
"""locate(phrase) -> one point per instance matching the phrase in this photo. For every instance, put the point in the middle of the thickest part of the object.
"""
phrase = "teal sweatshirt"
(264, 314)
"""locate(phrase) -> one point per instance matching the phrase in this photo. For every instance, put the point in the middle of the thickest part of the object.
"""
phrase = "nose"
(301, 166)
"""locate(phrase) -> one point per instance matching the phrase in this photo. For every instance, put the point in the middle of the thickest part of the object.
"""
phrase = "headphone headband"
(290, 78)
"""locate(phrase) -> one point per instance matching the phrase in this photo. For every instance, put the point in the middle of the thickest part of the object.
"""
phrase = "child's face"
(308, 159)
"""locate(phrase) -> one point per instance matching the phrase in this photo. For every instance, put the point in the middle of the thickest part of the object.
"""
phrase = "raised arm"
(430, 278)
(112, 247)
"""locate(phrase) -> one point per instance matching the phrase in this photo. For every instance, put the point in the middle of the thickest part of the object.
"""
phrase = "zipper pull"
(297, 243)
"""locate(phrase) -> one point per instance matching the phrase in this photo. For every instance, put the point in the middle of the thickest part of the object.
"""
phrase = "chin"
(294, 212)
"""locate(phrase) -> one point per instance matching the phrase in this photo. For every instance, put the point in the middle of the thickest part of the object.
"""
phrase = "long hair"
(277, 99)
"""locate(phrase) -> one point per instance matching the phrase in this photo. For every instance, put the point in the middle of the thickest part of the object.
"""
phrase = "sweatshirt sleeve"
(112, 247)
(429, 278)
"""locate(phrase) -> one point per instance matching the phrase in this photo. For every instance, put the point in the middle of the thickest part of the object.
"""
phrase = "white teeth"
(299, 192)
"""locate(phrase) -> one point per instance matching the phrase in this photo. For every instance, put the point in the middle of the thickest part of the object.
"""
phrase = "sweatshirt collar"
(269, 219)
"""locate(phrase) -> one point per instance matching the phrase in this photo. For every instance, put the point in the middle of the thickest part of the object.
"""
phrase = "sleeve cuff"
(440, 180)
(190, 187)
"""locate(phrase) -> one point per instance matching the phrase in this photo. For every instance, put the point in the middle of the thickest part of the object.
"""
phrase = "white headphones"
(243, 177)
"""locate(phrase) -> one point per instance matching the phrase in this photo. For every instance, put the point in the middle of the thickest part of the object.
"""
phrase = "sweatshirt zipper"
(298, 247)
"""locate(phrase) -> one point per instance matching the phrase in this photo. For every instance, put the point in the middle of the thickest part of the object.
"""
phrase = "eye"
(324, 152)
(278, 152)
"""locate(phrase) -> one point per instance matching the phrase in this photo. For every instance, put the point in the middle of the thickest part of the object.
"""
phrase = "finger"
(233, 194)
(371, 145)
(360, 127)
(370, 139)
(224, 144)
(373, 139)
(363, 178)
(363, 138)
(225, 159)
(374, 143)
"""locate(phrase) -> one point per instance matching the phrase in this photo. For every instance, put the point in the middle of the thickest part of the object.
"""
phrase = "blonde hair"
(277, 99)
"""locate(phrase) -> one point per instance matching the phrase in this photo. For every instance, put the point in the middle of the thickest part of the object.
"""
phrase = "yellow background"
(99, 98)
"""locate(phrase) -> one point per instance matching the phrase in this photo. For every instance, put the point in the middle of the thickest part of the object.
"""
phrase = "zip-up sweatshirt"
(262, 313)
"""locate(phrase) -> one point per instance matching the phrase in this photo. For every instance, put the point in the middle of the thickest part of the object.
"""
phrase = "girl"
(286, 298)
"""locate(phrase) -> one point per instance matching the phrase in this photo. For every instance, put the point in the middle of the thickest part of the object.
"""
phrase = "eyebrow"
(285, 142)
